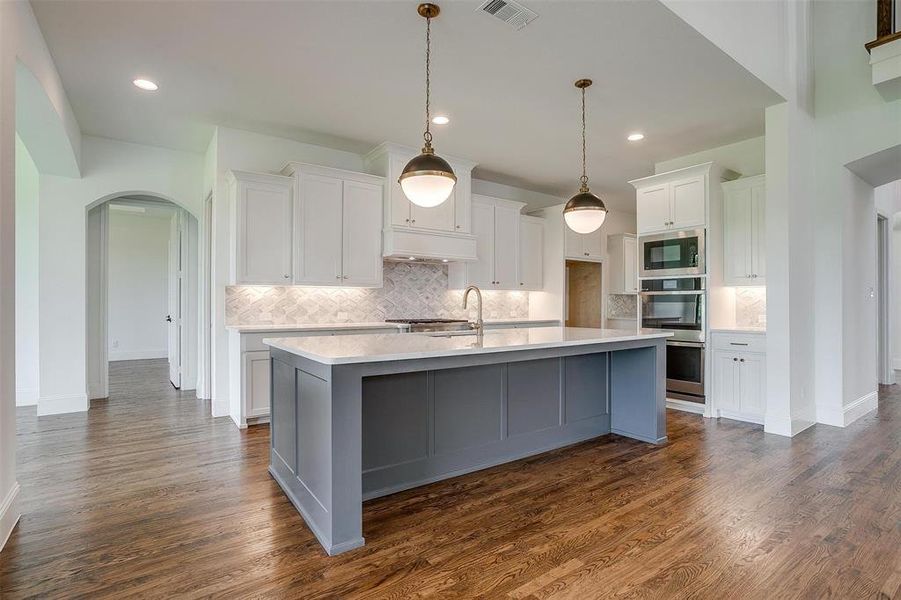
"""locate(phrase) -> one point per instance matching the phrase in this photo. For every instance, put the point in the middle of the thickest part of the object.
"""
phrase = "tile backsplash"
(622, 306)
(750, 306)
(411, 290)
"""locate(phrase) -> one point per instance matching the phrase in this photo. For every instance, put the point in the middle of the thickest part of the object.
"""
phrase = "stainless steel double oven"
(675, 300)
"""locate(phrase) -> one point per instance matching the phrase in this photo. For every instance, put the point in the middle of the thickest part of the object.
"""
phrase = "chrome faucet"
(478, 325)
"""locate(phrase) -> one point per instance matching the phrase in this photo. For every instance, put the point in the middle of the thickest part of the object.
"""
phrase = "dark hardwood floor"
(146, 496)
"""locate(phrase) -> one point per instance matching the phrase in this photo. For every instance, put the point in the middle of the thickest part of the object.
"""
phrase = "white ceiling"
(350, 75)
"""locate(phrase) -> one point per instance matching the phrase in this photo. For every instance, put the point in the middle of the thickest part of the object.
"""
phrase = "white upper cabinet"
(496, 226)
(653, 208)
(689, 202)
(583, 246)
(362, 236)
(622, 250)
(744, 231)
(318, 226)
(338, 227)
(531, 253)
(675, 200)
(441, 232)
(262, 228)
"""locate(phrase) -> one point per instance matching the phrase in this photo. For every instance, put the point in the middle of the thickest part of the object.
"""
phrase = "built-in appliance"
(420, 325)
(672, 253)
(678, 305)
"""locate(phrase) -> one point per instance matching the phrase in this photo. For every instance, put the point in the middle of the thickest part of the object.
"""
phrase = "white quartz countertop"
(376, 325)
(348, 349)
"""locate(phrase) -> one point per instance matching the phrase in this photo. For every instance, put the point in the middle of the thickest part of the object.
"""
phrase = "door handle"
(168, 318)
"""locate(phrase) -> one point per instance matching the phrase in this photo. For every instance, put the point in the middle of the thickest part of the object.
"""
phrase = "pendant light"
(585, 212)
(428, 179)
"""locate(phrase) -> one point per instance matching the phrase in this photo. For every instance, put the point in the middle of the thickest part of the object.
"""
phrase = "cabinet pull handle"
(738, 343)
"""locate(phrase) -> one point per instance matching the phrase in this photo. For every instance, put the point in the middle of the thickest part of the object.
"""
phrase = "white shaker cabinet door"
(653, 208)
(531, 254)
(725, 381)
(439, 218)
(362, 248)
(264, 237)
(758, 233)
(318, 258)
(630, 264)
(752, 386)
(481, 272)
(689, 202)
(737, 215)
(593, 244)
(506, 247)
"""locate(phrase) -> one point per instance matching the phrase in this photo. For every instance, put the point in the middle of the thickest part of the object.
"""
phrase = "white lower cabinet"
(739, 376)
(256, 377)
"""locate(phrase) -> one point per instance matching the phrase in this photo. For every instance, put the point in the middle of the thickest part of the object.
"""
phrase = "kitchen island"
(360, 416)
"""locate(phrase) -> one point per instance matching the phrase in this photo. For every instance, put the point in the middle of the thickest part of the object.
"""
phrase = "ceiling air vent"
(512, 13)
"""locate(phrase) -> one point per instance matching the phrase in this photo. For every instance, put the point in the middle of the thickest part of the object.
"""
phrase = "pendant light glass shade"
(428, 179)
(585, 212)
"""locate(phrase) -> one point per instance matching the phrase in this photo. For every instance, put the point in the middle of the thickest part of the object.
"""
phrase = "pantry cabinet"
(622, 252)
(739, 376)
(744, 231)
(262, 231)
(496, 227)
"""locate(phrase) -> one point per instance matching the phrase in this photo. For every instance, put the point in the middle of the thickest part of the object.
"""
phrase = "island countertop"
(351, 349)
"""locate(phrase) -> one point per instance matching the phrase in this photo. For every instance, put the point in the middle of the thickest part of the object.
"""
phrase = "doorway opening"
(142, 292)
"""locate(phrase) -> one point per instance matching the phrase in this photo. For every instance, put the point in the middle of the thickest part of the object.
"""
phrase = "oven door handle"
(678, 293)
(685, 344)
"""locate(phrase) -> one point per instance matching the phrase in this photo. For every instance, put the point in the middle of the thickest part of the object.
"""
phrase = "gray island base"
(362, 416)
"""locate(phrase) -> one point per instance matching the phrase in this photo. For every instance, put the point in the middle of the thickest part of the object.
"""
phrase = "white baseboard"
(219, 409)
(850, 412)
(26, 397)
(55, 405)
(860, 407)
(9, 514)
(137, 354)
(788, 427)
(739, 416)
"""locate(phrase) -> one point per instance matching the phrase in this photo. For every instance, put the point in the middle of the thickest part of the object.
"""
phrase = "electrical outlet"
(115, 343)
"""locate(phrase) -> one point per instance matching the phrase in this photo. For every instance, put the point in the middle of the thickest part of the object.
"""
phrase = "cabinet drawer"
(740, 342)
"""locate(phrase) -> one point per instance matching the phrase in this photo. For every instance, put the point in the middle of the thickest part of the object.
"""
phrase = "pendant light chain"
(427, 136)
(584, 177)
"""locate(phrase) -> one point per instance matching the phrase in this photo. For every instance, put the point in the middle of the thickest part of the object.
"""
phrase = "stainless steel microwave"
(672, 253)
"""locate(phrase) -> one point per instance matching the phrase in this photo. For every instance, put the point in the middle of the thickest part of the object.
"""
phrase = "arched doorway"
(142, 287)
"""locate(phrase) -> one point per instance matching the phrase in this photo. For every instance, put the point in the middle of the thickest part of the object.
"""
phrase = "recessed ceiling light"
(443, 260)
(146, 85)
(440, 120)
(412, 258)
(635, 137)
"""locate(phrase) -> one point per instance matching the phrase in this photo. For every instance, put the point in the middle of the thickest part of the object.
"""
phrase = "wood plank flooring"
(146, 496)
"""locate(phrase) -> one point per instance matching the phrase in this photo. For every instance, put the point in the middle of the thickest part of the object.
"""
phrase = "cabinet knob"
(585, 253)
(413, 221)
(734, 360)
(337, 277)
(741, 360)
(287, 276)
(407, 220)
(458, 227)
(521, 283)
(345, 277)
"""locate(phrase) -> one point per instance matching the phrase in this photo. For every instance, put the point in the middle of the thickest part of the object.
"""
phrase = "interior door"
(174, 318)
